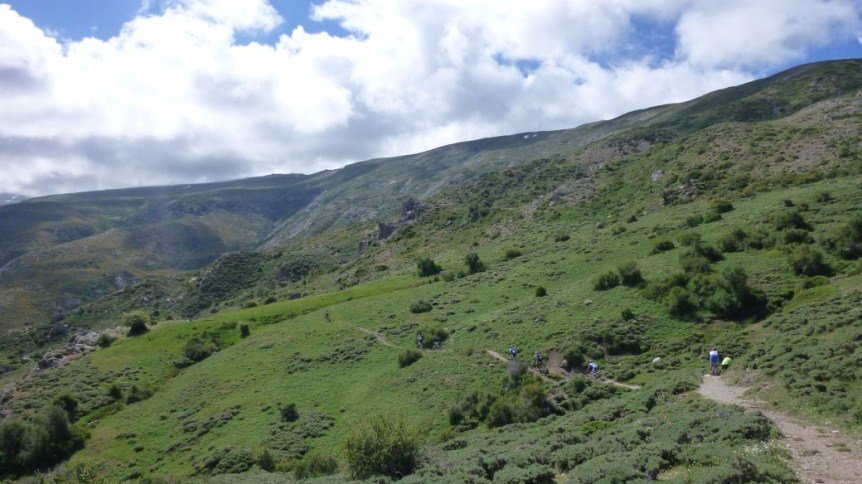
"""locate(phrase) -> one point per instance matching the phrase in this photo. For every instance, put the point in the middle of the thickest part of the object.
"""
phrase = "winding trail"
(817, 455)
(546, 378)
(380, 337)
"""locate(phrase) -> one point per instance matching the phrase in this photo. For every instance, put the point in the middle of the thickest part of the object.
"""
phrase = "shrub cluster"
(427, 267)
(408, 357)
(136, 321)
(40, 443)
(662, 246)
(431, 333)
(420, 306)
(627, 274)
(381, 447)
(846, 240)
(474, 264)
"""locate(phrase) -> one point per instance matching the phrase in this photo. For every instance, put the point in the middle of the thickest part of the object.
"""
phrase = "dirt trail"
(380, 338)
(534, 371)
(815, 453)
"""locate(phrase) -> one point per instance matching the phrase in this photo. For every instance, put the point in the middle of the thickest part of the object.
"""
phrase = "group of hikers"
(539, 361)
(714, 364)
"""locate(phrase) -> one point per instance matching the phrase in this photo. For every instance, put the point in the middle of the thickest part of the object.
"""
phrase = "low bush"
(244, 331)
(315, 465)
(694, 220)
(270, 300)
(448, 276)
(408, 357)
(381, 447)
(690, 238)
(512, 254)
(790, 219)
(105, 340)
(421, 306)
(679, 302)
(662, 246)
(846, 240)
(431, 333)
(197, 349)
(711, 216)
(427, 267)
(824, 197)
(630, 275)
(289, 413)
(608, 280)
(541, 292)
(136, 321)
(474, 264)
(809, 261)
(722, 206)
(733, 242)
(561, 237)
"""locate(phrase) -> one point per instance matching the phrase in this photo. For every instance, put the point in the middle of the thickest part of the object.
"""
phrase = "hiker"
(592, 368)
(713, 362)
(326, 314)
(725, 363)
(437, 344)
(513, 353)
(419, 341)
(538, 357)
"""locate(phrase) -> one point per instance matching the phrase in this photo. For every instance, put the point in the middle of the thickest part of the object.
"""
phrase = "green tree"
(474, 264)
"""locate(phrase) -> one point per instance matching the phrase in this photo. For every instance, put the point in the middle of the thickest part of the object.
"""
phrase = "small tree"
(427, 267)
(381, 447)
(606, 281)
(408, 357)
(244, 330)
(630, 275)
(808, 261)
(136, 321)
(289, 413)
(474, 264)
(541, 292)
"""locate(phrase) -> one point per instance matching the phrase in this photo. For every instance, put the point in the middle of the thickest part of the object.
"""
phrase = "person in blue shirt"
(713, 362)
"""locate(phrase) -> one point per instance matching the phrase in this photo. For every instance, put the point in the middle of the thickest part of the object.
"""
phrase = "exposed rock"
(411, 209)
(657, 175)
(384, 230)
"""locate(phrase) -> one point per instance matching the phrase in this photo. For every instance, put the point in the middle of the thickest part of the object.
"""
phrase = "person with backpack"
(713, 362)
(592, 368)
(539, 359)
(419, 341)
(513, 353)
(725, 363)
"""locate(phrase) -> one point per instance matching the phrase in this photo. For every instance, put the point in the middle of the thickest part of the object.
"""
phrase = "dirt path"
(818, 455)
(380, 338)
(534, 371)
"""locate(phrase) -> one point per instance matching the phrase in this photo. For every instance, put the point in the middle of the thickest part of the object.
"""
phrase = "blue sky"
(201, 90)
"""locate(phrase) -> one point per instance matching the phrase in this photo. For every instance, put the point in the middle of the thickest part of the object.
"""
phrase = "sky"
(98, 94)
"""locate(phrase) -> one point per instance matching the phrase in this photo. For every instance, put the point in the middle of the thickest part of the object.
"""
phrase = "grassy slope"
(332, 370)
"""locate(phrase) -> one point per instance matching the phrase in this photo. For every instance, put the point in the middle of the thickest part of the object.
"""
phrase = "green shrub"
(694, 220)
(722, 206)
(315, 465)
(265, 460)
(679, 303)
(420, 306)
(846, 240)
(797, 236)
(381, 447)
(541, 292)
(136, 394)
(431, 333)
(448, 276)
(197, 349)
(711, 216)
(692, 264)
(809, 261)
(561, 237)
(790, 219)
(632, 219)
(627, 314)
(733, 242)
(690, 238)
(249, 305)
(824, 197)
(662, 246)
(528, 404)
(270, 300)
(474, 264)
(115, 392)
(68, 403)
(427, 267)
(105, 340)
(608, 280)
(289, 413)
(513, 254)
(244, 331)
(136, 321)
(408, 357)
(630, 275)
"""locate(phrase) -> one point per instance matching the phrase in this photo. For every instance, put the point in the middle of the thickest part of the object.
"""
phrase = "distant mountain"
(9, 198)
(59, 251)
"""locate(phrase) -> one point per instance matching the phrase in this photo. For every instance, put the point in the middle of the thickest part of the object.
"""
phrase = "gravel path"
(818, 455)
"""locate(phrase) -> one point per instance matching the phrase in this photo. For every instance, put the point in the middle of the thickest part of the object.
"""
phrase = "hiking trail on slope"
(548, 379)
(379, 336)
(818, 455)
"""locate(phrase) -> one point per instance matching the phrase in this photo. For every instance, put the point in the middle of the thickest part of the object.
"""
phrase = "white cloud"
(175, 97)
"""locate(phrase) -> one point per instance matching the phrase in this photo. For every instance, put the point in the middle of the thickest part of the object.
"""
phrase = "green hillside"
(730, 221)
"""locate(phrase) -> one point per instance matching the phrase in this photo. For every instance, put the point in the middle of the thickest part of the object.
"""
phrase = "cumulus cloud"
(180, 96)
